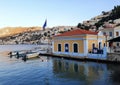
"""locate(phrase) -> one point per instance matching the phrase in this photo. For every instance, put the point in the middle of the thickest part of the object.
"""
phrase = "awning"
(117, 39)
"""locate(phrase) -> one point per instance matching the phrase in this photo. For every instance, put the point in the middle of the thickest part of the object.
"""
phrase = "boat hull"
(32, 55)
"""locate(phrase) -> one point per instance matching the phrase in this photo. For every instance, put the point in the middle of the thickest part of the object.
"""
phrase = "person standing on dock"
(17, 54)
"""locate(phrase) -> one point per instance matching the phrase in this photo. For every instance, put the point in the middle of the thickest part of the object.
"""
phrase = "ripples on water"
(54, 71)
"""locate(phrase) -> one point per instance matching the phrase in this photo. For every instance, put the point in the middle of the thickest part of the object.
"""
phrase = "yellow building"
(79, 43)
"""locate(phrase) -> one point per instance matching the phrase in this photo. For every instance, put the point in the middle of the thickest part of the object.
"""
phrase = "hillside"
(111, 17)
(34, 37)
(9, 31)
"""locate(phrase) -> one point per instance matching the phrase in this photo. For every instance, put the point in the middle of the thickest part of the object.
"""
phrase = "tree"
(79, 25)
(45, 34)
(115, 14)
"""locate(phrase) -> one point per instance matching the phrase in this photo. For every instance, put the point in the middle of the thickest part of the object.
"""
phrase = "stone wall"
(113, 56)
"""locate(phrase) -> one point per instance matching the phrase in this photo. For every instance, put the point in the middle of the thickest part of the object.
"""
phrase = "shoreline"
(81, 59)
(111, 58)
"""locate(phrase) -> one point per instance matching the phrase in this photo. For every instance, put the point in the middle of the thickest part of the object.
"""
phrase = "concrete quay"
(86, 59)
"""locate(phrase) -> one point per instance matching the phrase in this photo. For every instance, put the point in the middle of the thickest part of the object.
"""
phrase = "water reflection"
(115, 72)
(76, 67)
(90, 73)
(66, 66)
(53, 71)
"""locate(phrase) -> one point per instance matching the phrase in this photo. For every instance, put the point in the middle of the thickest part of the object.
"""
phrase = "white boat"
(14, 53)
(32, 55)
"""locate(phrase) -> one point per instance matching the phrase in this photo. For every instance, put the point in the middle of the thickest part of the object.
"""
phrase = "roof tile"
(76, 32)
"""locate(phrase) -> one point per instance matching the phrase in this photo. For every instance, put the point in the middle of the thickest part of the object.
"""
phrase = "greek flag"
(45, 24)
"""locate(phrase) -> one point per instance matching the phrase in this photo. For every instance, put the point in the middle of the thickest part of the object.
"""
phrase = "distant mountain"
(8, 31)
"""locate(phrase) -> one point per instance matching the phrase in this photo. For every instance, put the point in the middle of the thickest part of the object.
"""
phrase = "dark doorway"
(75, 46)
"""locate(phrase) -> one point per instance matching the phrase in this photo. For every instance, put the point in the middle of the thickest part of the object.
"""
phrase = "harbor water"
(53, 71)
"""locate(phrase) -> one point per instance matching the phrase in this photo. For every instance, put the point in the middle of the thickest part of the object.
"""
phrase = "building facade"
(79, 43)
(111, 32)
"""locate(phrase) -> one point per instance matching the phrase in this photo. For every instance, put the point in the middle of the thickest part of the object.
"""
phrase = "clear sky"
(57, 12)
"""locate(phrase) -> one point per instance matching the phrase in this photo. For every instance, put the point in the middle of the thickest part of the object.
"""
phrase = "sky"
(57, 12)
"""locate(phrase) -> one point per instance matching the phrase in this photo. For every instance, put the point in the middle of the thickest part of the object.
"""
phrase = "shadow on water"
(115, 72)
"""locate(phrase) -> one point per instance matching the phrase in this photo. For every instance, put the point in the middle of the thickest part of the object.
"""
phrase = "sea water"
(54, 71)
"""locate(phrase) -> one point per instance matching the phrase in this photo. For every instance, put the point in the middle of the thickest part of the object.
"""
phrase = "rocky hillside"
(111, 17)
(9, 31)
(34, 37)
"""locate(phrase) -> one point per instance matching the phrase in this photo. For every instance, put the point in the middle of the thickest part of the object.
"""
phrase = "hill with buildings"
(34, 35)
(106, 19)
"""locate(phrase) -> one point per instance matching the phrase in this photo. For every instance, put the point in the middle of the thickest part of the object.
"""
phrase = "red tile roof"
(76, 32)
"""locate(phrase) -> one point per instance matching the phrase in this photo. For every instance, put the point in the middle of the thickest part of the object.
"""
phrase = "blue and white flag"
(45, 24)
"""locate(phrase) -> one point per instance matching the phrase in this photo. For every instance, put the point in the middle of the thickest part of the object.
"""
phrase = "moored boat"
(32, 55)
(35, 53)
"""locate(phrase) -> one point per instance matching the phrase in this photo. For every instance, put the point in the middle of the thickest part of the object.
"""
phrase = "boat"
(32, 54)
(35, 53)
(17, 54)
(13, 53)
(26, 54)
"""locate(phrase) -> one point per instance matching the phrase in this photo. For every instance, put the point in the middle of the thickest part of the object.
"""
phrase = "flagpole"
(44, 25)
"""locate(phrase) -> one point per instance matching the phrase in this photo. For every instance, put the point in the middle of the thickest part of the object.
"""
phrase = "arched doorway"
(66, 47)
(75, 48)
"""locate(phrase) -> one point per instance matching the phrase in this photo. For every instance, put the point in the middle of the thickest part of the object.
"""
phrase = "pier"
(85, 58)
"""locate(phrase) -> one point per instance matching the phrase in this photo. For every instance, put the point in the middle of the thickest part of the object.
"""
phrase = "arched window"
(66, 47)
(93, 45)
(59, 47)
(75, 47)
